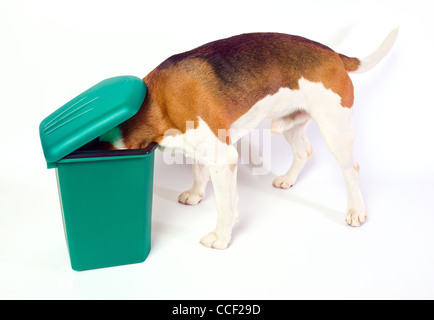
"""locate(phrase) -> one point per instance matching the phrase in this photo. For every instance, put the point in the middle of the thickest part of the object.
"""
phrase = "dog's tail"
(356, 65)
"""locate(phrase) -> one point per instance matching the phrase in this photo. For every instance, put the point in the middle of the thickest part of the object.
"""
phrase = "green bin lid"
(90, 115)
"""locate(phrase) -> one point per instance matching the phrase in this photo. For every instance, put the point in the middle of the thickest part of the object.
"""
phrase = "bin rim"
(96, 155)
(111, 153)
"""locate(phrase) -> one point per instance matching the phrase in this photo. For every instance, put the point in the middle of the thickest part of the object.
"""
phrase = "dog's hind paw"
(356, 219)
(212, 240)
(187, 197)
(282, 183)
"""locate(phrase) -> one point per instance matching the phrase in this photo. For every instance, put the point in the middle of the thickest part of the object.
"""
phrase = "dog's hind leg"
(197, 191)
(302, 150)
(336, 125)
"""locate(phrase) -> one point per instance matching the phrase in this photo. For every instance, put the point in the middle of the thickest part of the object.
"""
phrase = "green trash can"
(105, 196)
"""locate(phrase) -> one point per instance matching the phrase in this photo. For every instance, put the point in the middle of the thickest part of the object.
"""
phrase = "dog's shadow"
(166, 193)
(268, 191)
(261, 183)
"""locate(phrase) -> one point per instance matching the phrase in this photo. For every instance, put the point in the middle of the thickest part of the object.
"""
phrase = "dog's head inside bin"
(105, 196)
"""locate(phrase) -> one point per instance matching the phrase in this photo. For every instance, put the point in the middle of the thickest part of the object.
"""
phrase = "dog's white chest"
(200, 143)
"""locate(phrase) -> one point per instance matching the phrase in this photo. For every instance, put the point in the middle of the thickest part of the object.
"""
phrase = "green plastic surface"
(91, 114)
(106, 207)
(105, 196)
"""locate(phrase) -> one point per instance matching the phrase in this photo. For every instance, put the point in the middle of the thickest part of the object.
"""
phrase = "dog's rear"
(205, 99)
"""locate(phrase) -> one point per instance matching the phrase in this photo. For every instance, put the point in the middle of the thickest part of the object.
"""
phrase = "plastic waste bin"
(105, 196)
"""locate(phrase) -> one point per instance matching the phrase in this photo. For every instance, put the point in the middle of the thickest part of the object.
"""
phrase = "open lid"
(90, 115)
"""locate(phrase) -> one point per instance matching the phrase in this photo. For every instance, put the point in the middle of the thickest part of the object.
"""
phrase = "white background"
(290, 244)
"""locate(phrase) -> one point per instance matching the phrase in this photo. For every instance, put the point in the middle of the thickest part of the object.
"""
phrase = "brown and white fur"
(200, 102)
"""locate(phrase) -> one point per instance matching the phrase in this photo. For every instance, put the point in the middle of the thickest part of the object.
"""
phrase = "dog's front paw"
(356, 218)
(187, 197)
(282, 183)
(212, 240)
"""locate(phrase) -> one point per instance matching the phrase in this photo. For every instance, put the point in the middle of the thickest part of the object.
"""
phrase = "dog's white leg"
(224, 180)
(302, 150)
(336, 124)
(197, 191)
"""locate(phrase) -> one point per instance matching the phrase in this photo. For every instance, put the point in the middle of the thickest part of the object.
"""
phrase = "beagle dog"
(202, 101)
